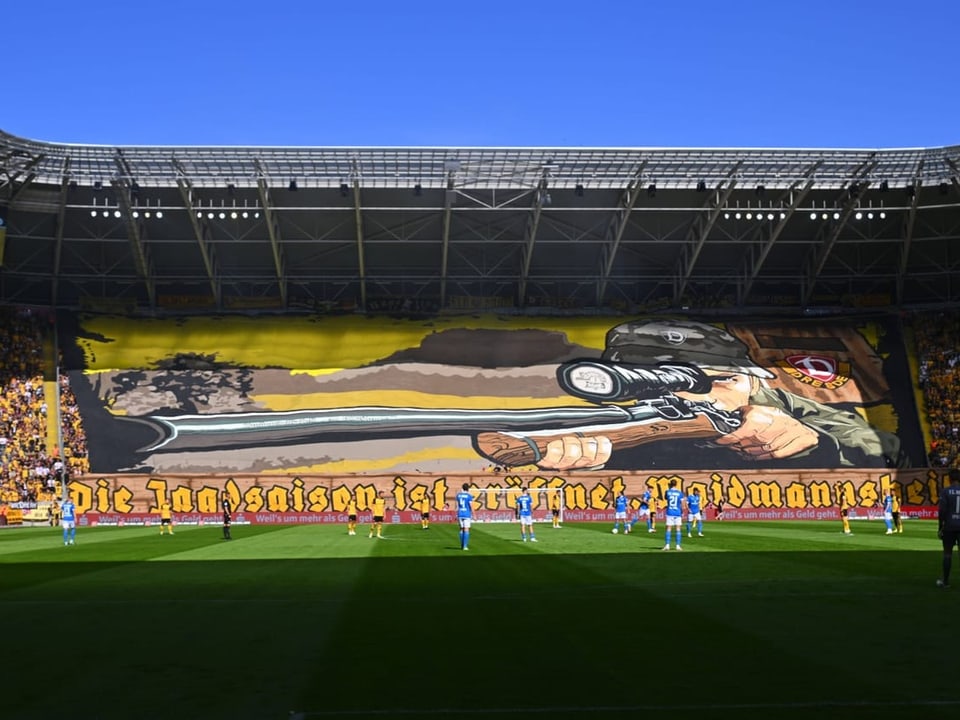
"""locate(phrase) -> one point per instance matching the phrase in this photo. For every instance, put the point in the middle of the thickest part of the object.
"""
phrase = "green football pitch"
(754, 620)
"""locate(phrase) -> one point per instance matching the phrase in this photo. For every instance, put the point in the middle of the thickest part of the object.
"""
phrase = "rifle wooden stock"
(513, 449)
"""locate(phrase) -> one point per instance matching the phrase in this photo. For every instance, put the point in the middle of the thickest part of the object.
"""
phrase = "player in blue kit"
(525, 513)
(694, 514)
(464, 515)
(888, 511)
(620, 513)
(674, 500)
(68, 521)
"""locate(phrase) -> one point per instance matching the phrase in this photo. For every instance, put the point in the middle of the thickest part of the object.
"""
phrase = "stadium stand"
(29, 469)
(938, 362)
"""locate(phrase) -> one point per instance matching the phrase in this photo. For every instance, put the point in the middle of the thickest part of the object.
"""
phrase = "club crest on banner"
(817, 370)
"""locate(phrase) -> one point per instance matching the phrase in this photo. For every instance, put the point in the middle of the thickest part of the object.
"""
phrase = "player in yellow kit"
(352, 517)
(425, 512)
(844, 508)
(379, 509)
(897, 518)
(555, 508)
(166, 517)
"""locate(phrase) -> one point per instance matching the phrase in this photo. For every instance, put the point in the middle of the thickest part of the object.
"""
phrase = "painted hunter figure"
(696, 399)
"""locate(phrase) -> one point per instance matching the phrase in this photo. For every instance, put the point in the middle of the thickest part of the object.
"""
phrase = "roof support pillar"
(361, 262)
(59, 230)
(449, 197)
(615, 229)
(273, 231)
(201, 232)
(700, 230)
(908, 224)
(755, 259)
(829, 234)
(123, 186)
(530, 237)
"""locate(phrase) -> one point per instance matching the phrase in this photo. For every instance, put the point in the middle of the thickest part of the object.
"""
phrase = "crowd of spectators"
(937, 339)
(31, 466)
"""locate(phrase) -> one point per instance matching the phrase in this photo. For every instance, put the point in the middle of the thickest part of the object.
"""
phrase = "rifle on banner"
(508, 437)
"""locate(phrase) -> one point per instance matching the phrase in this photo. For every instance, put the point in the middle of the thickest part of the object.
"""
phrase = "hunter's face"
(730, 391)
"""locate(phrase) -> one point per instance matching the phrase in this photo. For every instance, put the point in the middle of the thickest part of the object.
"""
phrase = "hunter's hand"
(768, 432)
(569, 452)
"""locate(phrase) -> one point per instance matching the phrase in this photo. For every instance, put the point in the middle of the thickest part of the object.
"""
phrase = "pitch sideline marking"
(813, 705)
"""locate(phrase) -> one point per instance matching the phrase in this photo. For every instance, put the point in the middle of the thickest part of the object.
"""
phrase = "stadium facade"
(438, 229)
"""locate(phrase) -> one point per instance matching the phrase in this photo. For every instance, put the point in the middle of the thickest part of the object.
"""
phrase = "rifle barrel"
(233, 430)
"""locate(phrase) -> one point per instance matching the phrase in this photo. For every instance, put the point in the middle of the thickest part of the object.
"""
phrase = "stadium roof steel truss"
(220, 228)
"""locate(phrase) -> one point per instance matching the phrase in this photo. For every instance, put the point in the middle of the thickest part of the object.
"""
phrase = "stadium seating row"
(29, 469)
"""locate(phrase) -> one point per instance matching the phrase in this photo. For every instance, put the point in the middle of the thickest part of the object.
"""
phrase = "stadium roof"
(151, 229)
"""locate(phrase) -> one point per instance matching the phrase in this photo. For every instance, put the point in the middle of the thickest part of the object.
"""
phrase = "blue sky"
(597, 73)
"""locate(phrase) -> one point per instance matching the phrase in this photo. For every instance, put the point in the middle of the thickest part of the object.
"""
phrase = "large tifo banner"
(355, 396)
(581, 496)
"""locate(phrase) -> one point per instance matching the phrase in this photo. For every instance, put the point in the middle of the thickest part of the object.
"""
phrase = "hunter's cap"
(680, 341)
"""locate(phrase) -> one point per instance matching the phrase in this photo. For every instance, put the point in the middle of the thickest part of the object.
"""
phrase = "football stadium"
(288, 337)
(366, 432)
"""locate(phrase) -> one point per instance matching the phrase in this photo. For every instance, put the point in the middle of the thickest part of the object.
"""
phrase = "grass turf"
(754, 619)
